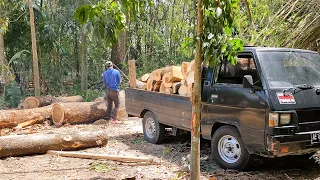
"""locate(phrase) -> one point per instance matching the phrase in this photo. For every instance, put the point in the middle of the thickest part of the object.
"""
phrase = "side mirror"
(247, 81)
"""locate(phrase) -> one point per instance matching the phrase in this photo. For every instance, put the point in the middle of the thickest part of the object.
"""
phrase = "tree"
(215, 36)
(36, 77)
(196, 99)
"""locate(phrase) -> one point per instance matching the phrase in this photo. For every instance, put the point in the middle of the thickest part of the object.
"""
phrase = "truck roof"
(275, 49)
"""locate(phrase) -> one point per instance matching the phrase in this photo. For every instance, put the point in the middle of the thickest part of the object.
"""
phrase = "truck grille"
(309, 120)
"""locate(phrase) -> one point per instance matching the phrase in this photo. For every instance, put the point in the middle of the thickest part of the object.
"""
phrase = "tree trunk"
(84, 64)
(78, 112)
(196, 100)
(19, 145)
(11, 118)
(3, 59)
(34, 102)
(36, 78)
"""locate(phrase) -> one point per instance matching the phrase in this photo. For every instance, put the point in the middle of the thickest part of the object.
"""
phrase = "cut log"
(156, 87)
(184, 82)
(190, 78)
(144, 87)
(166, 80)
(158, 82)
(165, 70)
(38, 120)
(156, 75)
(11, 118)
(100, 156)
(175, 87)
(122, 114)
(184, 68)
(168, 90)
(183, 90)
(140, 84)
(34, 102)
(162, 88)
(19, 145)
(145, 77)
(150, 84)
(79, 112)
(191, 66)
(190, 89)
(176, 74)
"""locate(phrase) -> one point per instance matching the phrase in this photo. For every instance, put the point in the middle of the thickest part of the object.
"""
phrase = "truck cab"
(267, 104)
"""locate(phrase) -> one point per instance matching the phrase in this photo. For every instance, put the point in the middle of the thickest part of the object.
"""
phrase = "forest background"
(71, 54)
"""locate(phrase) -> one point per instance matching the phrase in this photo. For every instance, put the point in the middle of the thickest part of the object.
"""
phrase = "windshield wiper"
(300, 87)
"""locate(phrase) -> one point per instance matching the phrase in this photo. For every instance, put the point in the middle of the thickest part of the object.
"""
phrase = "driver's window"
(233, 74)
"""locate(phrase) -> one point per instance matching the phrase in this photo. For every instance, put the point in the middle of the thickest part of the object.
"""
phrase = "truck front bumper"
(297, 144)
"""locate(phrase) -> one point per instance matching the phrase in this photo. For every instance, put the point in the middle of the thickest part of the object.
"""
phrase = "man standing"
(112, 80)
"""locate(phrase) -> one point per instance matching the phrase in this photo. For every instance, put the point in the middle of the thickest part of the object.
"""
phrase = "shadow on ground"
(175, 148)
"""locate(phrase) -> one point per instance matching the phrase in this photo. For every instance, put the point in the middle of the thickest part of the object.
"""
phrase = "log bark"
(100, 156)
(78, 112)
(165, 70)
(145, 77)
(11, 118)
(156, 87)
(183, 90)
(19, 145)
(34, 102)
(190, 78)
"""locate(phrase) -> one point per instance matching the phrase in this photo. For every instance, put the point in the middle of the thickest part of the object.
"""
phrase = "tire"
(153, 131)
(228, 149)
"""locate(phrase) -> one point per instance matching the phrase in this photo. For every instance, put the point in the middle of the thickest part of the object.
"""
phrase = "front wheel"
(153, 131)
(228, 149)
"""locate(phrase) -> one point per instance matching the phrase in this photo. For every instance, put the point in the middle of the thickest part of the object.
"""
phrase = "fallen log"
(156, 75)
(11, 118)
(162, 88)
(100, 156)
(176, 74)
(150, 84)
(166, 80)
(78, 112)
(140, 84)
(156, 87)
(34, 102)
(168, 90)
(19, 145)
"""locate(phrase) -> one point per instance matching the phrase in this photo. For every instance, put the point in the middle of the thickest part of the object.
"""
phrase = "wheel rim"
(150, 127)
(229, 149)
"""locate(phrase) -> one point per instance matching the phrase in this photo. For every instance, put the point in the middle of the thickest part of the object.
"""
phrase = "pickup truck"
(268, 104)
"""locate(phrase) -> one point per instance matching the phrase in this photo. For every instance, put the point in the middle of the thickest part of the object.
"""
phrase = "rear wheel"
(228, 149)
(153, 131)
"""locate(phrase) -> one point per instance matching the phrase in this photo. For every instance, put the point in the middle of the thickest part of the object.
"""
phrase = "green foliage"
(219, 31)
(12, 94)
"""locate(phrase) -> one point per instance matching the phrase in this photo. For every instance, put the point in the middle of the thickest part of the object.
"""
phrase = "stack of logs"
(170, 80)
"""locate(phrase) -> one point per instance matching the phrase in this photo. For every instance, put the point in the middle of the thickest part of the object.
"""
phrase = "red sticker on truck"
(286, 99)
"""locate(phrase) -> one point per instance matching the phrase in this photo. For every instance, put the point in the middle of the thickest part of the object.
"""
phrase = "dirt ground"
(127, 139)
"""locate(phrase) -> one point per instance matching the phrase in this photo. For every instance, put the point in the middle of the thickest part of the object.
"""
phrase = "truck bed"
(169, 109)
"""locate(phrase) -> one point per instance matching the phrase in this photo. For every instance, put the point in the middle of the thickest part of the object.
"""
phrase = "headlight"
(273, 119)
(285, 119)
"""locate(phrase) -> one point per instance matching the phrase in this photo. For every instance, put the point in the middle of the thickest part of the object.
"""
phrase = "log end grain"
(57, 114)
(31, 102)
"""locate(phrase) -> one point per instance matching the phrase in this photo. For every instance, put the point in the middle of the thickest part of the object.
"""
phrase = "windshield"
(287, 69)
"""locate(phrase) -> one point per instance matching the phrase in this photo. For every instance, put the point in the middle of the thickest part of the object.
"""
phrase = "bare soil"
(127, 139)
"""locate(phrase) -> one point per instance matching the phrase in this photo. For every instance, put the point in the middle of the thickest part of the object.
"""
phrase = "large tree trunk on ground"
(11, 118)
(78, 112)
(34, 102)
(36, 77)
(19, 145)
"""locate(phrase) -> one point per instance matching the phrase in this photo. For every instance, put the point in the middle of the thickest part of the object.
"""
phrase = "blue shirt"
(112, 79)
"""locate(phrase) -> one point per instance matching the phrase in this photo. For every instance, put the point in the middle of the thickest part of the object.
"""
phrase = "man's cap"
(109, 63)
